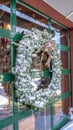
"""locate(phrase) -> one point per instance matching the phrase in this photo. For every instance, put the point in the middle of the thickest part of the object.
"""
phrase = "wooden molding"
(49, 11)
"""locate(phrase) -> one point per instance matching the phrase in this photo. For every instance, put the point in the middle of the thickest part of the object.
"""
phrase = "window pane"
(5, 100)
(43, 119)
(10, 127)
(27, 123)
(61, 110)
(27, 19)
(39, 121)
(65, 83)
(5, 2)
(64, 37)
(5, 55)
(61, 34)
(64, 59)
(5, 14)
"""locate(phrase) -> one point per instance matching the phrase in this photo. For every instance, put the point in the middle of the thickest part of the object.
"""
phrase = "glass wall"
(6, 108)
(19, 115)
(26, 22)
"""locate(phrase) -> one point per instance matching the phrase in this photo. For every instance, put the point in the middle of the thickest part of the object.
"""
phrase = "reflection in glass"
(65, 83)
(4, 16)
(57, 37)
(5, 100)
(5, 2)
(40, 120)
(64, 59)
(43, 119)
(10, 127)
(61, 110)
(61, 34)
(5, 55)
(64, 37)
(21, 107)
(27, 19)
(58, 113)
(27, 123)
(5, 25)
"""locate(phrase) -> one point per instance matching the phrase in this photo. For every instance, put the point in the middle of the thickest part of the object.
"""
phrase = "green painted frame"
(6, 77)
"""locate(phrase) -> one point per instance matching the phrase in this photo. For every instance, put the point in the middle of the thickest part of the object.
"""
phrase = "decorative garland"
(32, 43)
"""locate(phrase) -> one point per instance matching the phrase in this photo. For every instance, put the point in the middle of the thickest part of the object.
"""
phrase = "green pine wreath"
(32, 43)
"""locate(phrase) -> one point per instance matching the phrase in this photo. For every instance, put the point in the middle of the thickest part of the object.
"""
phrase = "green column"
(13, 48)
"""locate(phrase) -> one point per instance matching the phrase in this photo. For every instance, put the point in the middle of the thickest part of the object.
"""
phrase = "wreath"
(31, 44)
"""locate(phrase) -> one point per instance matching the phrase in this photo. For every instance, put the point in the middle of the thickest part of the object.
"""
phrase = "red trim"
(71, 42)
(48, 10)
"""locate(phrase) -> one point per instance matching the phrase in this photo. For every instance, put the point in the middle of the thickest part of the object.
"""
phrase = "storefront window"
(5, 100)
(27, 19)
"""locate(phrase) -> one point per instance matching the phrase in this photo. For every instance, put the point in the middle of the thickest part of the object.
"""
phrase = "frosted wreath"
(32, 43)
